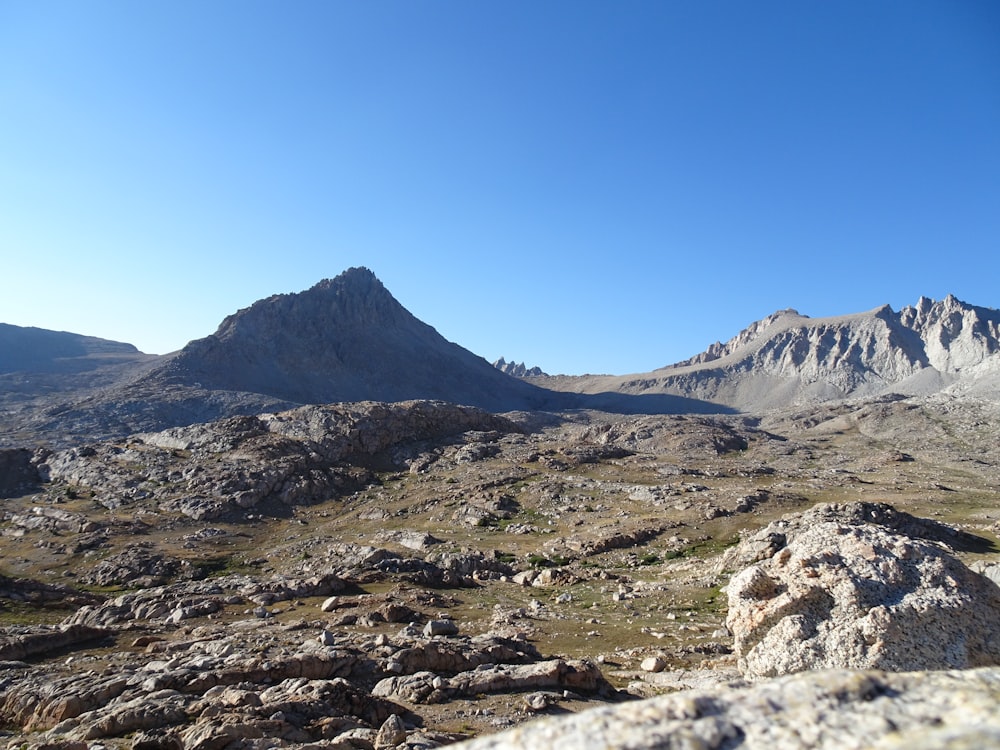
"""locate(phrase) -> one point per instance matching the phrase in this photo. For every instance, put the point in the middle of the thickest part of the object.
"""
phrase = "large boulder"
(832, 590)
(812, 711)
(18, 474)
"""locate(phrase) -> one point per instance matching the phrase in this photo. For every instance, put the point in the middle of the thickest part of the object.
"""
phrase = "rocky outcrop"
(463, 654)
(38, 593)
(427, 687)
(518, 369)
(814, 711)
(137, 565)
(50, 519)
(846, 587)
(955, 335)
(207, 685)
(290, 458)
(18, 474)
(15, 646)
(178, 602)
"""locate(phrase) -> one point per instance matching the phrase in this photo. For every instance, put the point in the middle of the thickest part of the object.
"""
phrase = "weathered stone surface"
(15, 645)
(854, 594)
(470, 565)
(138, 565)
(149, 711)
(459, 654)
(391, 733)
(17, 472)
(415, 540)
(295, 457)
(426, 687)
(653, 664)
(765, 543)
(39, 704)
(571, 674)
(440, 627)
(50, 519)
(813, 711)
(36, 592)
(159, 604)
(617, 539)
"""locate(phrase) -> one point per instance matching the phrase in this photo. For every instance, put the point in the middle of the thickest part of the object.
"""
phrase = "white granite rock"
(859, 596)
(828, 710)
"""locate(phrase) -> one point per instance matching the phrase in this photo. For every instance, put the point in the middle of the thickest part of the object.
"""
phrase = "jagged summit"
(354, 298)
(956, 335)
(789, 358)
(784, 318)
(518, 369)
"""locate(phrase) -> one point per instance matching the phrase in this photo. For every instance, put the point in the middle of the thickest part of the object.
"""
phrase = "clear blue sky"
(587, 186)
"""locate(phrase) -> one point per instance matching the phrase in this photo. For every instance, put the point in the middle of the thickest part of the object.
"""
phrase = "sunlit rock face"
(841, 589)
(955, 335)
(789, 359)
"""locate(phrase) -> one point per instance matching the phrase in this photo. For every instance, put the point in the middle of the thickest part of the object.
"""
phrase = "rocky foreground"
(413, 575)
(831, 709)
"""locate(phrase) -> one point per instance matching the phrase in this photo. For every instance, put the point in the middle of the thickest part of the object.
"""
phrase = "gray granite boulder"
(850, 594)
(839, 709)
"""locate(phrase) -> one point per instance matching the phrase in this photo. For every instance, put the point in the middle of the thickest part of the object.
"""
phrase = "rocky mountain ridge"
(345, 339)
(789, 358)
(518, 369)
(348, 339)
(952, 334)
(43, 351)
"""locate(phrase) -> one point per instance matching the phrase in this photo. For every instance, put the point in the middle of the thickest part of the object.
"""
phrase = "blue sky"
(586, 186)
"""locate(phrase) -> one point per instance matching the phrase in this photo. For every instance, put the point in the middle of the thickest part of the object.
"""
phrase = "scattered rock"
(653, 664)
(539, 701)
(440, 627)
(390, 734)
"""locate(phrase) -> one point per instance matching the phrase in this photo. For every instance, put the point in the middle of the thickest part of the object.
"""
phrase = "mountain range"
(788, 358)
(348, 339)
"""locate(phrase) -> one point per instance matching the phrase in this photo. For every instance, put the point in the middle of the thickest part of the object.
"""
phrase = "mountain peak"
(357, 278)
(957, 335)
(343, 339)
(351, 299)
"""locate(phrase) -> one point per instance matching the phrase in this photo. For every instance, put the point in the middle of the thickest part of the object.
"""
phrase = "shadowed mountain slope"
(345, 339)
(42, 351)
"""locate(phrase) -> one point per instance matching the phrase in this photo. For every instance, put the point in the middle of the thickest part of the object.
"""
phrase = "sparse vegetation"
(603, 595)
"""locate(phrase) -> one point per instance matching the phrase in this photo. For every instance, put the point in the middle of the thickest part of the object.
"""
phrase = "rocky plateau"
(326, 527)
